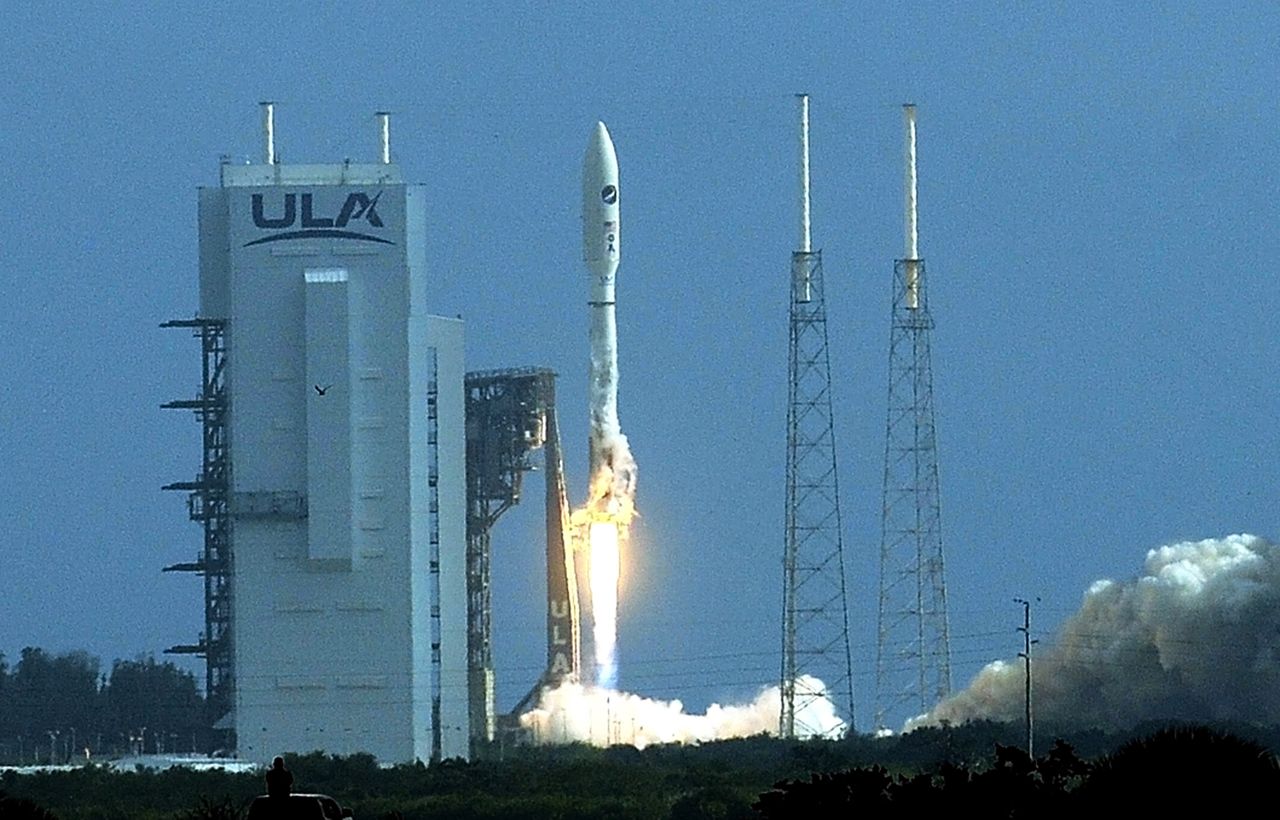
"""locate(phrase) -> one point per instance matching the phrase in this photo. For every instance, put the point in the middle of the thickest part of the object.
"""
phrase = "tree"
(6, 707)
(712, 803)
(830, 795)
(14, 808)
(1180, 771)
(160, 697)
(53, 695)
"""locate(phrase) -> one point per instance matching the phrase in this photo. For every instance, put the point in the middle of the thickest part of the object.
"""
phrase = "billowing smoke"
(604, 717)
(1196, 637)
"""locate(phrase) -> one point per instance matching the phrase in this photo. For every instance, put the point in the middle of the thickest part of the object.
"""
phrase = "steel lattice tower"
(815, 616)
(510, 415)
(208, 502)
(913, 653)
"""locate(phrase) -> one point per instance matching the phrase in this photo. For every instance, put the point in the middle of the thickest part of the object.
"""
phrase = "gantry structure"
(208, 504)
(510, 417)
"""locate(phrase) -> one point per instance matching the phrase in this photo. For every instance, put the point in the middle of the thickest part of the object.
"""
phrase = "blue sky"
(1098, 214)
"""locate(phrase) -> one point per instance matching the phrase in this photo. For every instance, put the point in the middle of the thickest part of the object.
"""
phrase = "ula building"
(332, 490)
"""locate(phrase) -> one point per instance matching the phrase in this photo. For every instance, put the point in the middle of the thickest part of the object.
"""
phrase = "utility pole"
(1025, 654)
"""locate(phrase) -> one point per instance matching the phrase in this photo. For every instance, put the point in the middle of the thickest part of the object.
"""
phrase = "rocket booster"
(600, 214)
(600, 251)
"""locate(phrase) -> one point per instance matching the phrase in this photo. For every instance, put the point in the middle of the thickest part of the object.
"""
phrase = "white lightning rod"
(912, 225)
(801, 287)
(805, 238)
(269, 131)
(384, 136)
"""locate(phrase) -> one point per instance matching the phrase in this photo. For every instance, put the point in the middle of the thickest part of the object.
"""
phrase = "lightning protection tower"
(815, 615)
(913, 653)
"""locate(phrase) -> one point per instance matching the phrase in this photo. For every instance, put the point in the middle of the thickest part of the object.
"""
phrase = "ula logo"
(358, 207)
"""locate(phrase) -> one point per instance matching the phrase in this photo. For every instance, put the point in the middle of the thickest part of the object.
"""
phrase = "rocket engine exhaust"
(603, 524)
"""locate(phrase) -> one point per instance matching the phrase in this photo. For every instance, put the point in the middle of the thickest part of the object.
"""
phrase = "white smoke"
(616, 453)
(603, 717)
(1196, 637)
(608, 444)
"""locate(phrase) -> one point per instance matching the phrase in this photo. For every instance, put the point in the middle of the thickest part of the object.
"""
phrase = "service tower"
(346, 494)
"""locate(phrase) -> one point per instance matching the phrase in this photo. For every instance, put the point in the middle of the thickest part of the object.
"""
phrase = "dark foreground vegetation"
(56, 707)
(975, 767)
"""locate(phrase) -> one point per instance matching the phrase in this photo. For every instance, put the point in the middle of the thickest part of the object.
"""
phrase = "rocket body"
(600, 214)
(600, 250)
(606, 518)
(610, 496)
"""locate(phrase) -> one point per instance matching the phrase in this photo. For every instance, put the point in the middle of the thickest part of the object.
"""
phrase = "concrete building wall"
(319, 272)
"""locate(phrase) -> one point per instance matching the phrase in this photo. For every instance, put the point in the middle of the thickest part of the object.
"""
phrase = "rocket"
(611, 496)
(600, 251)
(600, 213)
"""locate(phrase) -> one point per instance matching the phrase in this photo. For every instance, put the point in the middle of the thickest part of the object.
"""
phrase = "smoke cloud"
(604, 717)
(1195, 637)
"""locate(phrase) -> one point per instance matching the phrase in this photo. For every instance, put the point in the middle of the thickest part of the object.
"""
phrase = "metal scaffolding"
(816, 660)
(913, 653)
(208, 502)
(433, 546)
(815, 633)
(511, 415)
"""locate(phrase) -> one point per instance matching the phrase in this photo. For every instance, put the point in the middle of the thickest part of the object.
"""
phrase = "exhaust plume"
(602, 529)
(605, 717)
(1195, 637)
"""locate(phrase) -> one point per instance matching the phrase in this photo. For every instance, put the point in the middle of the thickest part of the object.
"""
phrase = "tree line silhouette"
(1178, 771)
(54, 707)
(1175, 772)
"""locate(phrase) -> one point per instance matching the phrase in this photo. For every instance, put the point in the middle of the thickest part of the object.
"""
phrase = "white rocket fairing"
(600, 214)
(600, 250)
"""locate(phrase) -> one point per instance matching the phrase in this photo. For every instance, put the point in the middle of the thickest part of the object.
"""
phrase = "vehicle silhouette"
(297, 807)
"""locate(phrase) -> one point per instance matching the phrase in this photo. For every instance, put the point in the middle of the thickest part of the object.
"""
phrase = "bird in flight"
(322, 390)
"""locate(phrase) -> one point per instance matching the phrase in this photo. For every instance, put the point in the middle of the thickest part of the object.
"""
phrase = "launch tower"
(815, 615)
(332, 489)
(510, 415)
(913, 653)
(208, 505)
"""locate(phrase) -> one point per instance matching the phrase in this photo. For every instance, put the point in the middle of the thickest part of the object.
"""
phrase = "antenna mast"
(913, 635)
(815, 617)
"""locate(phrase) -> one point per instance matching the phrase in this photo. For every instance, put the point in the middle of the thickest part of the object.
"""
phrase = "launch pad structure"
(347, 548)
(815, 611)
(208, 504)
(331, 489)
(913, 651)
(511, 414)
(368, 473)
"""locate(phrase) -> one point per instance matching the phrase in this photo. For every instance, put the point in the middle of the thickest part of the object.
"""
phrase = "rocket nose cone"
(600, 235)
(600, 153)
